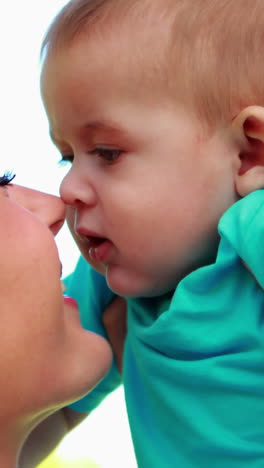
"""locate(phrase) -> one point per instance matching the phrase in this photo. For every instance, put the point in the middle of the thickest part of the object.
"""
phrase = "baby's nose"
(77, 190)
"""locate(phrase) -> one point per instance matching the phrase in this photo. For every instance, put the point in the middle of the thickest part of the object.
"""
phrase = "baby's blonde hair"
(207, 53)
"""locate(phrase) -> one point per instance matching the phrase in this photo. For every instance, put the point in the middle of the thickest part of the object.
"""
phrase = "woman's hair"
(206, 53)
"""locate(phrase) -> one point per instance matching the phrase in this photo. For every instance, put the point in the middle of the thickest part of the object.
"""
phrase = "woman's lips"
(101, 251)
(70, 301)
(67, 299)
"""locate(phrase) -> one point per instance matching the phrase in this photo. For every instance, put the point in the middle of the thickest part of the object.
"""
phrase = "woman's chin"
(92, 363)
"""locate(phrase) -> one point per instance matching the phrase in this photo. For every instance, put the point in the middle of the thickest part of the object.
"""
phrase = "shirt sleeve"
(195, 363)
(90, 290)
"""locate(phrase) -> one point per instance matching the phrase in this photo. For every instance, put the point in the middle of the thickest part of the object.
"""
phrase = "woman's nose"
(49, 208)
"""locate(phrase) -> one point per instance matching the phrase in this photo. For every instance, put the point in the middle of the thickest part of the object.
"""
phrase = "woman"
(47, 359)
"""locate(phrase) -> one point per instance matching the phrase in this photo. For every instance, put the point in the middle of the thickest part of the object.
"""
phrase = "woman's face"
(46, 358)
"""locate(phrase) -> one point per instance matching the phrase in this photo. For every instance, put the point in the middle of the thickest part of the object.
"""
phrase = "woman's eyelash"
(6, 178)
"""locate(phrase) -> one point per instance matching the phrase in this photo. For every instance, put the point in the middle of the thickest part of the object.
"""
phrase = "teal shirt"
(194, 362)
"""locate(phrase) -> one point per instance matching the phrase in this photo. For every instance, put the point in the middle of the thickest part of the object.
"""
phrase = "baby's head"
(196, 51)
(158, 104)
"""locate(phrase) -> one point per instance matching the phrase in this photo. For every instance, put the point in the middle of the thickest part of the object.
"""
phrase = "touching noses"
(77, 190)
(49, 208)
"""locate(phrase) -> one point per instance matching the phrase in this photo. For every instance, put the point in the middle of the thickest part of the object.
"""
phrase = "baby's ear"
(248, 130)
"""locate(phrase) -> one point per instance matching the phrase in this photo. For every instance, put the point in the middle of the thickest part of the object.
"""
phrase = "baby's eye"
(6, 178)
(66, 159)
(110, 155)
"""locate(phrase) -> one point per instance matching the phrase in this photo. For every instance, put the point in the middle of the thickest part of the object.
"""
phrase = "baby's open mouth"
(94, 242)
(99, 249)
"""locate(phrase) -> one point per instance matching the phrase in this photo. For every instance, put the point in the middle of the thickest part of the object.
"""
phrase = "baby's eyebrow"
(110, 128)
(100, 125)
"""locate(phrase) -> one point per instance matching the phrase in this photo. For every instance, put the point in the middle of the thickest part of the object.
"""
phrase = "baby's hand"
(114, 320)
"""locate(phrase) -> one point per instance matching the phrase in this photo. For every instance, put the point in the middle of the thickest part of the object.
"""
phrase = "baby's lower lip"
(101, 252)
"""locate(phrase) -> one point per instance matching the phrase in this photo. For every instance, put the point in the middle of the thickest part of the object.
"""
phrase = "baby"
(159, 107)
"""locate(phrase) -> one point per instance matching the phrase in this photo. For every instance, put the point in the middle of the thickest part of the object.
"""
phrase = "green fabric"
(194, 362)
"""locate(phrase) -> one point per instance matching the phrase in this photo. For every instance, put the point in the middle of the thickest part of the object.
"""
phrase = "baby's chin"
(132, 285)
(99, 267)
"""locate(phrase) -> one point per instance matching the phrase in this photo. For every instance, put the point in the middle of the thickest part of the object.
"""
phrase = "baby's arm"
(90, 290)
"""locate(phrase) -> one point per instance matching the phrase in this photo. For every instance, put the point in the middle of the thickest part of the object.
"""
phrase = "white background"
(27, 150)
